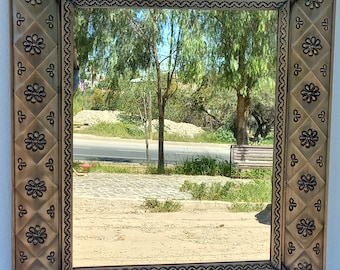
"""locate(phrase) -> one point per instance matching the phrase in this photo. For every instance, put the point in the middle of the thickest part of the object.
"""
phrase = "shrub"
(204, 166)
(153, 205)
(97, 100)
(225, 135)
(214, 192)
(244, 196)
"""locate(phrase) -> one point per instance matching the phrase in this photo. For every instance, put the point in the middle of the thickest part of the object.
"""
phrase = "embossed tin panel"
(42, 130)
(307, 133)
(36, 129)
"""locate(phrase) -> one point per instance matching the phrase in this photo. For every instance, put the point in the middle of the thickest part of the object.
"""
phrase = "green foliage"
(154, 205)
(269, 139)
(203, 191)
(94, 100)
(152, 169)
(97, 167)
(256, 191)
(97, 100)
(247, 207)
(205, 58)
(254, 173)
(81, 101)
(130, 128)
(121, 130)
(225, 135)
(204, 166)
(78, 103)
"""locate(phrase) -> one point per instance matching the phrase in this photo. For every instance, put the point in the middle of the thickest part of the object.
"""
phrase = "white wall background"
(5, 144)
(333, 228)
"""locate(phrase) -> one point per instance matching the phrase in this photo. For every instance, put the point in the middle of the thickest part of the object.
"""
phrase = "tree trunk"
(149, 115)
(242, 117)
(161, 109)
(145, 124)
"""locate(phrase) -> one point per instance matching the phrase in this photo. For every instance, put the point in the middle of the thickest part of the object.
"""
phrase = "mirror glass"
(209, 68)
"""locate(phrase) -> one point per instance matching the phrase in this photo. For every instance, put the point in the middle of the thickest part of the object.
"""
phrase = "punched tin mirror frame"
(42, 51)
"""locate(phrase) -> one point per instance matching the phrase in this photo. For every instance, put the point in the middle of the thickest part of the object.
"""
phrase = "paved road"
(136, 186)
(87, 147)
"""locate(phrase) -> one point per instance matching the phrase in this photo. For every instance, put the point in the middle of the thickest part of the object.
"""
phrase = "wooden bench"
(251, 157)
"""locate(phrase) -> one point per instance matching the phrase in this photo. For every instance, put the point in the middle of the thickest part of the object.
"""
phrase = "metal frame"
(283, 8)
(42, 166)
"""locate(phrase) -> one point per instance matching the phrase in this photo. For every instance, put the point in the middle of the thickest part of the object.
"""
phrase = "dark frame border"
(283, 8)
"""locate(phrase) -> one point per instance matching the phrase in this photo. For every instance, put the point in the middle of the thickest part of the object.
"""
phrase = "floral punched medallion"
(36, 188)
(36, 235)
(307, 182)
(306, 227)
(35, 141)
(309, 138)
(313, 3)
(312, 46)
(35, 93)
(310, 93)
(34, 44)
(304, 266)
(34, 2)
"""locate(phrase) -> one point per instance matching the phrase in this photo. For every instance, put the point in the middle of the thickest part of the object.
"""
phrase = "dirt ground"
(120, 232)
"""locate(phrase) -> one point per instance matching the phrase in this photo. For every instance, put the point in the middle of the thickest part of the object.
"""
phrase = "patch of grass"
(153, 169)
(100, 167)
(258, 190)
(247, 207)
(254, 173)
(121, 130)
(81, 101)
(244, 196)
(130, 130)
(203, 191)
(156, 206)
(269, 140)
(204, 166)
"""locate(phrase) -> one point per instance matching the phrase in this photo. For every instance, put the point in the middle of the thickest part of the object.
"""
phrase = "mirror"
(281, 7)
(42, 143)
(110, 224)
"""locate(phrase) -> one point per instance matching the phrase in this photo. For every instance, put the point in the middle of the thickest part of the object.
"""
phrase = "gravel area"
(90, 117)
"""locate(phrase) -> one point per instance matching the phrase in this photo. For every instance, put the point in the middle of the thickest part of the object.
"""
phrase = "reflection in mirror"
(211, 75)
